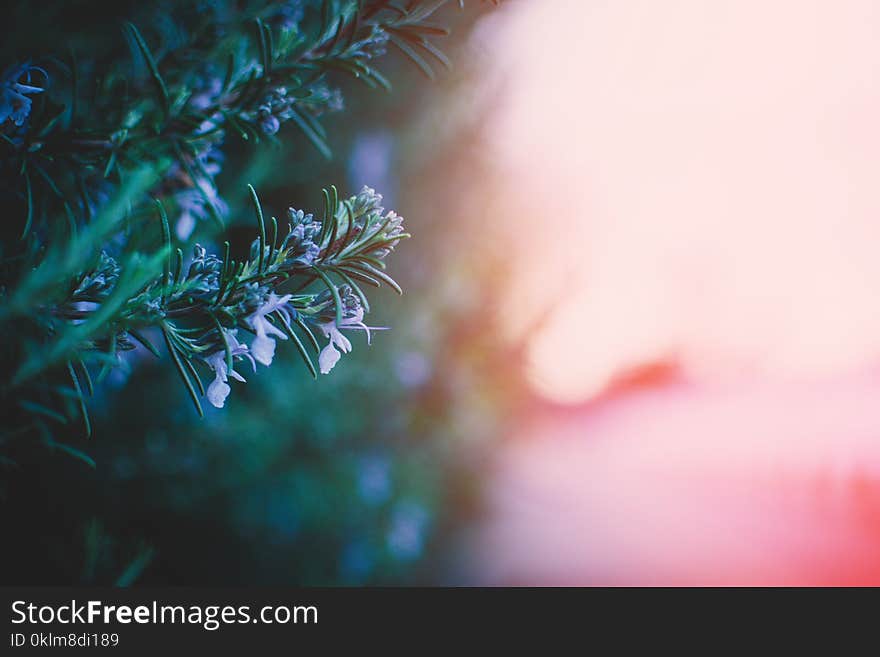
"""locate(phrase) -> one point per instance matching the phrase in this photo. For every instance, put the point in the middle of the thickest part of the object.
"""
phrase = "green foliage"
(118, 139)
(152, 125)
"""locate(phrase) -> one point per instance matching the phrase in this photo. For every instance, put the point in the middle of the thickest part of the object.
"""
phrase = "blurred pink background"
(694, 187)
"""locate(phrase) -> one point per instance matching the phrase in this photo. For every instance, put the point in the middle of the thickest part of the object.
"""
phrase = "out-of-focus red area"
(759, 484)
(694, 188)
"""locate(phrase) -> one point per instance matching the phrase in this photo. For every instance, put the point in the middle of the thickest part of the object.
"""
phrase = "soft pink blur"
(696, 185)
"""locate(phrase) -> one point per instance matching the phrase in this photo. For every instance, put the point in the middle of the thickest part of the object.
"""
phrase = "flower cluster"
(204, 270)
(262, 347)
(374, 222)
(199, 199)
(275, 108)
(98, 282)
(323, 99)
(218, 301)
(302, 239)
(373, 46)
(352, 318)
(278, 106)
(219, 388)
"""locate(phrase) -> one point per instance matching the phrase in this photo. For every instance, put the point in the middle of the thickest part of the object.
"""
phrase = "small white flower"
(329, 355)
(219, 389)
(328, 358)
(263, 346)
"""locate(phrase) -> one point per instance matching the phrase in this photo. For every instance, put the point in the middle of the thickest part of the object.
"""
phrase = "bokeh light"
(691, 190)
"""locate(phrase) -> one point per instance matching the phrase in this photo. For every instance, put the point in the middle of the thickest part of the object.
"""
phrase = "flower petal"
(217, 362)
(263, 349)
(342, 342)
(328, 358)
(271, 329)
(217, 393)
